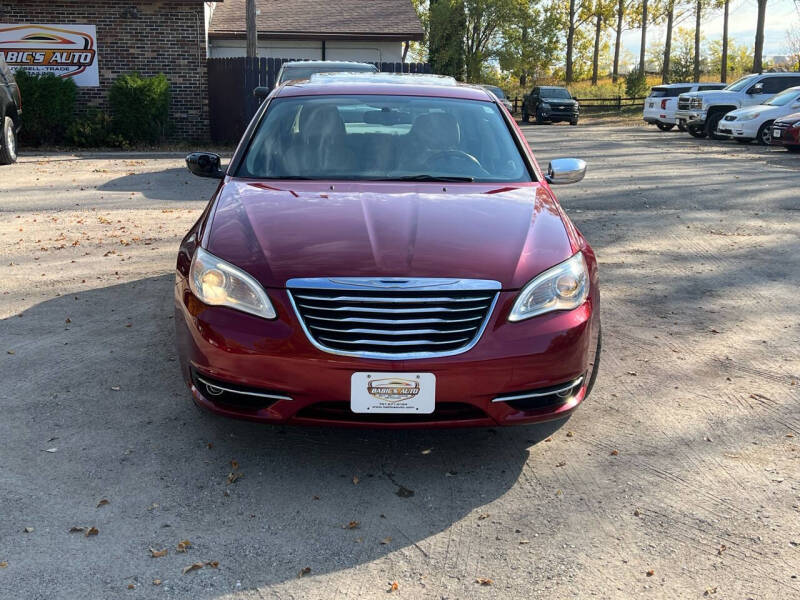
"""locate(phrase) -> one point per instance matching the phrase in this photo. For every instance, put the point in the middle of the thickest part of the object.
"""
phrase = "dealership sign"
(63, 50)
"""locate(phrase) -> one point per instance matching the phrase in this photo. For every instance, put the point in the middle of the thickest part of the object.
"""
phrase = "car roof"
(326, 63)
(551, 87)
(671, 85)
(387, 84)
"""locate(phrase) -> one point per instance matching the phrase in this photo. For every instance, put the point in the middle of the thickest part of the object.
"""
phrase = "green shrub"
(90, 131)
(636, 83)
(140, 108)
(48, 106)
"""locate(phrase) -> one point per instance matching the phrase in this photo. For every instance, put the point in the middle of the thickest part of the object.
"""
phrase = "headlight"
(749, 117)
(544, 106)
(219, 283)
(563, 287)
(795, 124)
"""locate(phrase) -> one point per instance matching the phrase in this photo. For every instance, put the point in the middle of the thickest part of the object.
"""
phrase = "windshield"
(381, 137)
(301, 72)
(496, 91)
(558, 93)
(740, 84)
(783, 98)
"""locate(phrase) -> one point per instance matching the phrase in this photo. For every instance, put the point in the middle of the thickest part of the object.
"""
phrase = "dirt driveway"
(678, 478)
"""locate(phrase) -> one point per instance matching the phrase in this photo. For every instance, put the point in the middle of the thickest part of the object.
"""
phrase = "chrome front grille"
(683, 103)
(393, 318)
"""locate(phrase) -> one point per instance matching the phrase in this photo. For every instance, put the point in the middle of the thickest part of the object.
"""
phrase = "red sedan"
(786, 132)
(385, 251)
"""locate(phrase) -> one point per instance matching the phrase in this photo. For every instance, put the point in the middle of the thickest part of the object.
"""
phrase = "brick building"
(147, 36)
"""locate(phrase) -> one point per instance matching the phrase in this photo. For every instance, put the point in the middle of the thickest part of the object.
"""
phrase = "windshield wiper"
(425, 177)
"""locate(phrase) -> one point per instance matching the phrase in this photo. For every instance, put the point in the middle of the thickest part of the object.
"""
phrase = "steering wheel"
(444, 158)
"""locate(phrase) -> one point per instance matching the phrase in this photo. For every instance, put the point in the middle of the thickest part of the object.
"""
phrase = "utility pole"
(252, 32)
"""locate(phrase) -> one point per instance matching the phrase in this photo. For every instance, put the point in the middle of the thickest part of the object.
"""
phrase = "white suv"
(661, 104)
(702, 111)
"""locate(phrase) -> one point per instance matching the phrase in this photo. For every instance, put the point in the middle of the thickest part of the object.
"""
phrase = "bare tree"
(759, 49)
(252, 32)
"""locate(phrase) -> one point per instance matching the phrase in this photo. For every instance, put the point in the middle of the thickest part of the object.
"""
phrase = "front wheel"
(526, 118)
(712, 123)
(574, 123)
(764, 136)
(665, 126)
(695, 131)
(681, 126)
(539, 118)
(8, 143)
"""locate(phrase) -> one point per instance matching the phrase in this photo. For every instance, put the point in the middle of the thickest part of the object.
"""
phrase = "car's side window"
(772, 85)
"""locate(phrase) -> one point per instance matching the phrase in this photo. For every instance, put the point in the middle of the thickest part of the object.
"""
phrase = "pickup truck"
(10, 113)
(701, 112)
(661, 104)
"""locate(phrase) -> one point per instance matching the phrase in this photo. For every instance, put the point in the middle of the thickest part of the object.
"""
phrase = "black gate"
(231, 82)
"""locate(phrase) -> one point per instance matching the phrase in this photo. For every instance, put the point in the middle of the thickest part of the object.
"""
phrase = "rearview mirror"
(565, 170)
(756, 89)
(205, 164)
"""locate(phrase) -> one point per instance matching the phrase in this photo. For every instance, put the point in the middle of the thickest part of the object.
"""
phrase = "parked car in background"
(702, 111)
(340, 274)
(550, 103)
(662, 103)
(500, 96)
(755, 122)
(303, 69)
(10, 113)
(786, 132)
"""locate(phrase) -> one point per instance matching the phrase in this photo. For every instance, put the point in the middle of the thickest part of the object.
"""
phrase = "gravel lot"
(678, 478)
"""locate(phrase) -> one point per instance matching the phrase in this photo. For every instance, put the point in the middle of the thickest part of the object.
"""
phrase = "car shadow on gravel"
(95, 408)
(167, 184)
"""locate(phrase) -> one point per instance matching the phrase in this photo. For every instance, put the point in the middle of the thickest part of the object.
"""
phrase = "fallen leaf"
(355, 479)
(52, 450)
(561, 464)
(427, 451)
(385, 541)
(234, 476)
(483, 516)
(192, 567)
(183, 545)
(77, 529)
(721, 549)
(102, 502)
(67, 320)
(157, 553)
(636, 512)
(304, 571)
(570, 434)
(404, 492)
(352, 525)
(157, 582)
(212, 563)
(92, 531)
(234, 465)
(393, 587)
(522, 542)
(131, 586)
(10, 351)
(650, 573)
(115, 388)
(614, 453)
(484, 581)
(3, 564)
(632, 373)
(28, 530)
(710, 591)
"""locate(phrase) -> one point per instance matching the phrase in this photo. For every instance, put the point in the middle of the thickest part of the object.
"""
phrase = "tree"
(446, 31)
(724, 61)
(530, 42)
(576, 16)
(698, 13)
(484, 20)
(644, 37)
(793, 45)
(682, 57)
(759, 45)
(621, 8)
(601, 12)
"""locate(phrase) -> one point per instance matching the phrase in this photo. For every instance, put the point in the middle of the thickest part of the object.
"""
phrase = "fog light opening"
(214, 390)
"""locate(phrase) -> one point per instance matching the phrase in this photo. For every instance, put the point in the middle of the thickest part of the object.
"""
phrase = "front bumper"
(693, 116)
(277, 358)
(747, 130)
(786, 135)
(560, 115)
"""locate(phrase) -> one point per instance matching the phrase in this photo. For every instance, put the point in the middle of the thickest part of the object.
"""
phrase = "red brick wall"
(148, 36)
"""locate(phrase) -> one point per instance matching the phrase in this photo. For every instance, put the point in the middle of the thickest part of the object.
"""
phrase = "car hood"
(277, 231)
(558, 100)
(792, 118)
(760, 109)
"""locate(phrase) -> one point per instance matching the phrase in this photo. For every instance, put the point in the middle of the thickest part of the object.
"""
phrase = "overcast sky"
(781, 15)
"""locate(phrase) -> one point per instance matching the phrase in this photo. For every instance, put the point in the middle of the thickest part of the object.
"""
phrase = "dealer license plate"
(409, 393)
(776, 133)
(651, 105)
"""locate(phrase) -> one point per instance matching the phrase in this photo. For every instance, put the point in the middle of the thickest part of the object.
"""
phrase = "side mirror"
(756, 89)
(205, 164)
(796, 105)
(565, 170)
(261, 92)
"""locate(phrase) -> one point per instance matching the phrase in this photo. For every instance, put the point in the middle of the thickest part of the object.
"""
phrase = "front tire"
(539, 119)
(526, 118)
(681, 127)
(8, 143)
(764, 136)
(574, 123)
(695, 131)
(665, 126)
(711, 125)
